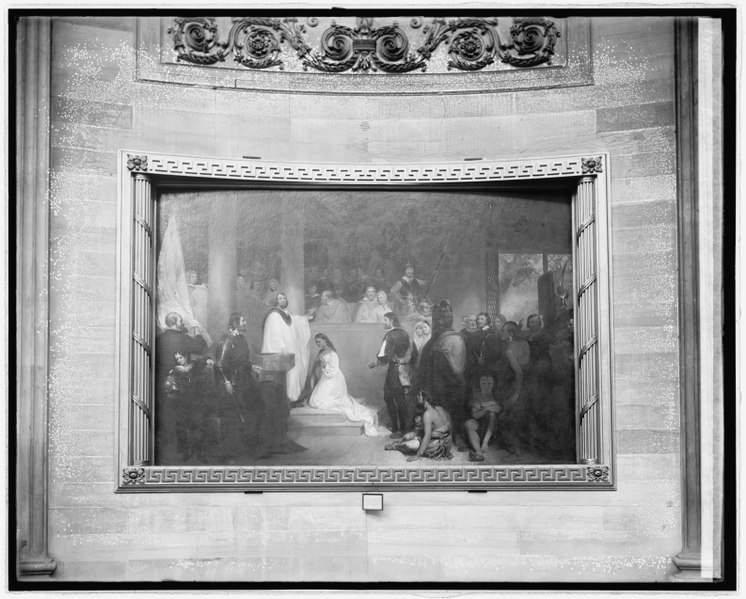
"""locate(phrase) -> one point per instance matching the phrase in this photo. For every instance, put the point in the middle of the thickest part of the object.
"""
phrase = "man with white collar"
(286, 333)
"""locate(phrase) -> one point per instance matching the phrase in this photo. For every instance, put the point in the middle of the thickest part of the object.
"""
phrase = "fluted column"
(586, 324)
(143, 325)
(32, 262)
(699, 197)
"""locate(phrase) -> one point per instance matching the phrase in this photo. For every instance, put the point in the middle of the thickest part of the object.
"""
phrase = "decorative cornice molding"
(364, 174)
(261, 43)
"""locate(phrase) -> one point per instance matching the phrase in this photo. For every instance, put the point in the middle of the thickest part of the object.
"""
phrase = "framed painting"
(290, 327)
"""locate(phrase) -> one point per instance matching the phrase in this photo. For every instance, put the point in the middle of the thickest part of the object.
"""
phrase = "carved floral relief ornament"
(592, 165)
(260, 43)
(137, 163)
(133, 476)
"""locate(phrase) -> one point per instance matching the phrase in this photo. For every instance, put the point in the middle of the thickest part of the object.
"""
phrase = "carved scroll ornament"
(259, 43)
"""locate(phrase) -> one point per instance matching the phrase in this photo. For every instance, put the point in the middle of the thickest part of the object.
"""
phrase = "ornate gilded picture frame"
(144, 176)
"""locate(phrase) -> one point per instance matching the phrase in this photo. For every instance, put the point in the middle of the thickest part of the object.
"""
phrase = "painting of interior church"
(378, 327)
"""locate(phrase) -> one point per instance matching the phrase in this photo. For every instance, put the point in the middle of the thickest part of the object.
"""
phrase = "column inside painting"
(305, 326)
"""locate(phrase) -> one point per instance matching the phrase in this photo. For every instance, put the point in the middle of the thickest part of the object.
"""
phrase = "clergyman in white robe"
(286, 333)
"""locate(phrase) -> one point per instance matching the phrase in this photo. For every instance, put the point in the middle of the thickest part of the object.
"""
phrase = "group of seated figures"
(365, 300)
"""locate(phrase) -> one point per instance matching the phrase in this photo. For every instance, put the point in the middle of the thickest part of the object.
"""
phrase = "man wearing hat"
(408, 286)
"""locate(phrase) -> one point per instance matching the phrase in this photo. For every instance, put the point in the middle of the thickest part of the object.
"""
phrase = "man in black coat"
(399, 353)
(169, 404)
(175, 340)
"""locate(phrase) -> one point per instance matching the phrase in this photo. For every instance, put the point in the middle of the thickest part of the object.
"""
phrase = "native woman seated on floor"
(431, 437)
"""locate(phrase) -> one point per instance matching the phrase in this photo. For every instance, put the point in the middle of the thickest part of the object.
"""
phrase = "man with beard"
(442, 366)
(232, 365)
(398, 352)
(470, 325)
(286, 333)
(408, 285)
(173, 342)
(255, 417)
(332, 310)
(233, 377)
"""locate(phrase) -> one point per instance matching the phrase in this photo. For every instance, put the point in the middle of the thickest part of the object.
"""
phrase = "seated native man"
(483, 411)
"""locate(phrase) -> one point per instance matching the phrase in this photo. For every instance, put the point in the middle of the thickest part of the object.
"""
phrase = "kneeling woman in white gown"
(330, 392)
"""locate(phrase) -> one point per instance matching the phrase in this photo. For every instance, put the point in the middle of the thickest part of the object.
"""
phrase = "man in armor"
(408, 286)
(236, 412)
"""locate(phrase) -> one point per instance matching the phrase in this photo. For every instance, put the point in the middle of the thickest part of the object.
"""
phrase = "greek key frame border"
(347, 478)
(137, 168)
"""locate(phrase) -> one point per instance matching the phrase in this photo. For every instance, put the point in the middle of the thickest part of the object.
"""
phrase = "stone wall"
(98, 107)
